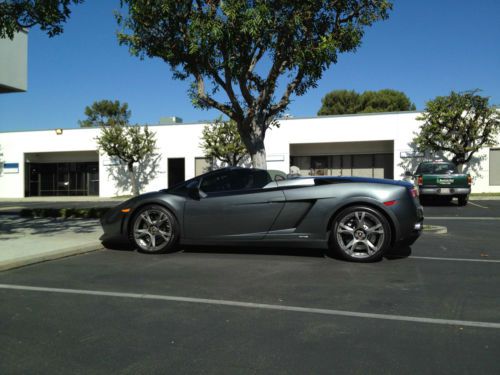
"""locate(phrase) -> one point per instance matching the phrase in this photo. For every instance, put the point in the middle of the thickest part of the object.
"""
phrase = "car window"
(239, 179)
(436, 168)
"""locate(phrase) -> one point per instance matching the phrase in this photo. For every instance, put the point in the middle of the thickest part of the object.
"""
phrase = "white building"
(67, 162)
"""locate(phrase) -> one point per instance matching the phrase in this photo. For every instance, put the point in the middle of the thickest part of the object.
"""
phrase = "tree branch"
(209, 101)
(285, 99)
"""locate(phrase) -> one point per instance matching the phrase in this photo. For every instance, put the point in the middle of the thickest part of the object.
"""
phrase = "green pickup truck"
(441, 179)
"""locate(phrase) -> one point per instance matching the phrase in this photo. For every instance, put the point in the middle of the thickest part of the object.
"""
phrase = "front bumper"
(443, 191)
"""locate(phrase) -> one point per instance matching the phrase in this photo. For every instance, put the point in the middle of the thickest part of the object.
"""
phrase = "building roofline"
(203, 123)
(353, 115)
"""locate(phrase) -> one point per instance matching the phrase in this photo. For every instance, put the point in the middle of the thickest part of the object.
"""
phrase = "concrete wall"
(14, 63)
(384, 132)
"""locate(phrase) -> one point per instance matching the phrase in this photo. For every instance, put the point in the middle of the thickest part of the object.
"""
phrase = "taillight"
(469, 180)
(390, 203)
(420, 180)
(414, 193)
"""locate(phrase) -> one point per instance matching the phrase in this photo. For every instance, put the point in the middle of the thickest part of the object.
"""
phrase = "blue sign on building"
(11, 167)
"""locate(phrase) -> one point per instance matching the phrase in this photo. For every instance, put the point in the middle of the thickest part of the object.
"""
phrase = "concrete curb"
(484, 198)
(435, 229)
(51, 255)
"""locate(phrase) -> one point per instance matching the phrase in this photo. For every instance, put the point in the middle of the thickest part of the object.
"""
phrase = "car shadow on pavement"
(393, 254)
(438, 203)
(12, 227)
(398, 252)
(285, 251)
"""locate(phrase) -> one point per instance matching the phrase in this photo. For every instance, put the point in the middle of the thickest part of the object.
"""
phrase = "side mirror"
(193, 190)
(408, 174)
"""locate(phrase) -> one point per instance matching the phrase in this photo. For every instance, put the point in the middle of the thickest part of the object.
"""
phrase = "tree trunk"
(253, 138)
(133, 180)
(458, 160)
(257, 151)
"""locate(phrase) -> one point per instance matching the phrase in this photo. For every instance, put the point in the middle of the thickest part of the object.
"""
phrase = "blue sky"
(426, 48)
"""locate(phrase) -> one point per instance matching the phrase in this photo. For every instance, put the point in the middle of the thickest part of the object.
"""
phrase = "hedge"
(86, 213)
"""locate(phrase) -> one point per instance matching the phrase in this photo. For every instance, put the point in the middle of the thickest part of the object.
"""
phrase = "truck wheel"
(462, 200)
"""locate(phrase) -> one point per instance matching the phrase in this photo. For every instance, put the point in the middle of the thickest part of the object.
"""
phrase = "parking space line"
(458, 259)
(264, 306)
(477, 205)
(461, 218)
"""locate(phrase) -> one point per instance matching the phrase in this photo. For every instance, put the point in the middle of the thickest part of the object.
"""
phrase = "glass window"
(240, 179)
(436, 168)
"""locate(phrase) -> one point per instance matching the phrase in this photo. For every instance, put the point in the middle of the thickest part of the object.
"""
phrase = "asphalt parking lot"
(434, 308)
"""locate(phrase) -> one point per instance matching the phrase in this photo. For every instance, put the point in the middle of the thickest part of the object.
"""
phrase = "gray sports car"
(357, 218)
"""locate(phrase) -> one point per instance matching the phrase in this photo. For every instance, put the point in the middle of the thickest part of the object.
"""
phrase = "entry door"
(176, 171)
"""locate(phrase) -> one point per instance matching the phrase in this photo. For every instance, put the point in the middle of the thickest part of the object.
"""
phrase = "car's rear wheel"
(360, 234)
(462, 200)
(154, 230)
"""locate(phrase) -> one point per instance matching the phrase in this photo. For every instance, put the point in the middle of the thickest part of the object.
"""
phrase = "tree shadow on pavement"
(12, 227)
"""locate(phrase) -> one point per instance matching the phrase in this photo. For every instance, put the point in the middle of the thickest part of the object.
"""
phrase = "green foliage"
(459, 124)
(129, 143)
(220, 46)
(222, 141)
(106, 113)
(49, 15)
(340, 102)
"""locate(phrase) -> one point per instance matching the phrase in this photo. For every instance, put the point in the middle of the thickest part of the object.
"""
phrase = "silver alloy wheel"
(152, 230)
(360, 234)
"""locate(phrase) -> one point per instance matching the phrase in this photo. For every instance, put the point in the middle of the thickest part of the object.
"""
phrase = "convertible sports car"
(358, 218)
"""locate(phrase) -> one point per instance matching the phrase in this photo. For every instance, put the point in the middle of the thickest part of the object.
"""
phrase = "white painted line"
(265, 306)
(458, 259)
(461, 218)
(478, 205)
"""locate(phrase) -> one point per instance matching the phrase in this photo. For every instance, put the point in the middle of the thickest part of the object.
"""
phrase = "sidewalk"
(14, 206)
(25, 241)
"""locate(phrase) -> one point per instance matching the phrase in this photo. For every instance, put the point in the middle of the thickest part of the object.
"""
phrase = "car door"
(234, 206)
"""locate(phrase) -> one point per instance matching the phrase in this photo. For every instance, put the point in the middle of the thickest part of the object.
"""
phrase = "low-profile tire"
(462, 200)
(154, 230)
(360, 234)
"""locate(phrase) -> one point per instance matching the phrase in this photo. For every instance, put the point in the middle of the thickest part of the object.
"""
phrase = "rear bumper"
(443, 191)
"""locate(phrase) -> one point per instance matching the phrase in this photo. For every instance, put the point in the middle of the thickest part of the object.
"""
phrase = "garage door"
(494, 166)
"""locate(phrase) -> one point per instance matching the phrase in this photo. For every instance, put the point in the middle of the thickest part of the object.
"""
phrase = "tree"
(50, 15)
(105, 113)
(459, 124)
(130, 144)
(236, 51)
(222, 141)
(386, 100)
(340, 102)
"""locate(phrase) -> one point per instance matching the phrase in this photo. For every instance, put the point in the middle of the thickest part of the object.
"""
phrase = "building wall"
(14, 63)
(354, 134)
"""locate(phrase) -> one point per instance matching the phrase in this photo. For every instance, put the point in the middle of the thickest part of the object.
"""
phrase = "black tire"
(162, 226)
(361, 234)
(463, 200)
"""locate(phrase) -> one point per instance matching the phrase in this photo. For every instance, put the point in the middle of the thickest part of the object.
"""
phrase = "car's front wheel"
(360, 234)
(154, 230)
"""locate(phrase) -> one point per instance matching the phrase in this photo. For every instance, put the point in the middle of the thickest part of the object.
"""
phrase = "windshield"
(436, 168)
